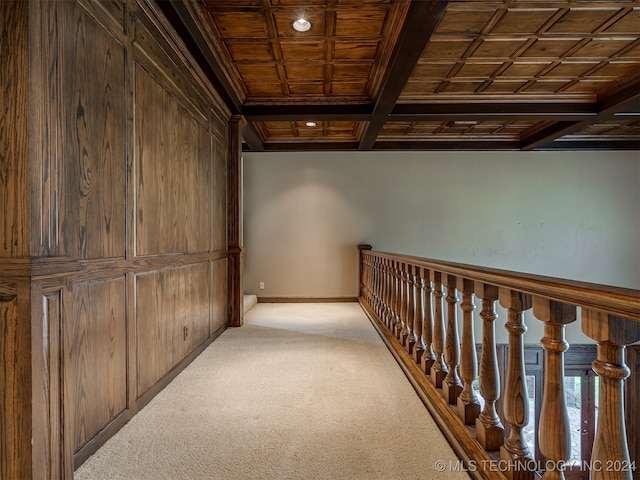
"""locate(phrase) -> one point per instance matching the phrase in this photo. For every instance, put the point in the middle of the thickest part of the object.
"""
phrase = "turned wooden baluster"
(428, 357)
(489, 429)
(452, 384)
(409, 341)
(406, 299)
(399, 322)
(365, 286)
(393, 295)
(388, 289)
(377, 286)
(439, 368)
(468, 405)
(610, 452)
(515, 452)
(390, 300)
(397, 304)
(555, 435)
(418, 319)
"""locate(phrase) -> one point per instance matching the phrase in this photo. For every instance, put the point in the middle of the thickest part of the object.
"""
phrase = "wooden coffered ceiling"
(422, 74)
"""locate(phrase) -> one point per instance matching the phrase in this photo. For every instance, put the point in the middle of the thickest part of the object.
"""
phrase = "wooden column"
(555, 435)
(234, 198)
(468, 405)
(452, 384)
(515, 451)
(489, 429)
(428, 357)
(610, 456)
(439, 368)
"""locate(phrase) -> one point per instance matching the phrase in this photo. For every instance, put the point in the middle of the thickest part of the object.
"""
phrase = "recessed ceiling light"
(310, 124)
(301, 25)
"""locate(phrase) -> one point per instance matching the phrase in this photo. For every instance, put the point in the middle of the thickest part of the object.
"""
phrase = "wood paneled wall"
(113, 229)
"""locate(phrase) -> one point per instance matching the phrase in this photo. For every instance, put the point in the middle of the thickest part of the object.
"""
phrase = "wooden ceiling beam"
(180, 18)
(492, 111)
(592, 145)
(421, 21)
(309, 147)
(299, 113)
(445, 145)
(252, 138)
(625, 98)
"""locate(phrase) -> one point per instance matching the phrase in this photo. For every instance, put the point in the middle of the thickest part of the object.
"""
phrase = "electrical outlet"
(261, 285)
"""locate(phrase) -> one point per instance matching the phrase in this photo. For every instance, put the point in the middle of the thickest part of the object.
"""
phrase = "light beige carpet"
(302, 391)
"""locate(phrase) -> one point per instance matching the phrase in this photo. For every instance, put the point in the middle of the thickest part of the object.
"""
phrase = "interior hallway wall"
(565, 214)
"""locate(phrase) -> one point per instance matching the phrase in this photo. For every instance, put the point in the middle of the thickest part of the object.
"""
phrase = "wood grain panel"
(53, 445)
(167, 65)
(219, 196)
(168, 302)
(14, 149)
(173, 154)
(96, 355)
(15, 389)
(93, 140)
(219, 301)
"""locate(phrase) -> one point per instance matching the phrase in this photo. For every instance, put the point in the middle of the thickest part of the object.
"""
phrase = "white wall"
(564, 214)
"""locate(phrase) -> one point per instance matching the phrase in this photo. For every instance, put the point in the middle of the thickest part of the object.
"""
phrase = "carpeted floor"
(302, 391)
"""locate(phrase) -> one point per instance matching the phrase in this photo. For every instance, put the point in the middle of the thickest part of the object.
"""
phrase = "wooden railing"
(414, 302)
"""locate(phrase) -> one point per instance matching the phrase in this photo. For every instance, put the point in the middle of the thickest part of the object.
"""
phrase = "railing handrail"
(619, 301)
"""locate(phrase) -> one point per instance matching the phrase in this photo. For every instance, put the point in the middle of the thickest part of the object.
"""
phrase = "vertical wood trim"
(234, 195)
(48, 450)
(14, 140)
(15, 384)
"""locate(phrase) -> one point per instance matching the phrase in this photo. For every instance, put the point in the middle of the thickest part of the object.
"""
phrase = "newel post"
(361, 250)
(610, 456)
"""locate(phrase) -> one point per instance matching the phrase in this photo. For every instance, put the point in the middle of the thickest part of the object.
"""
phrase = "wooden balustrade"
(405, 296)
